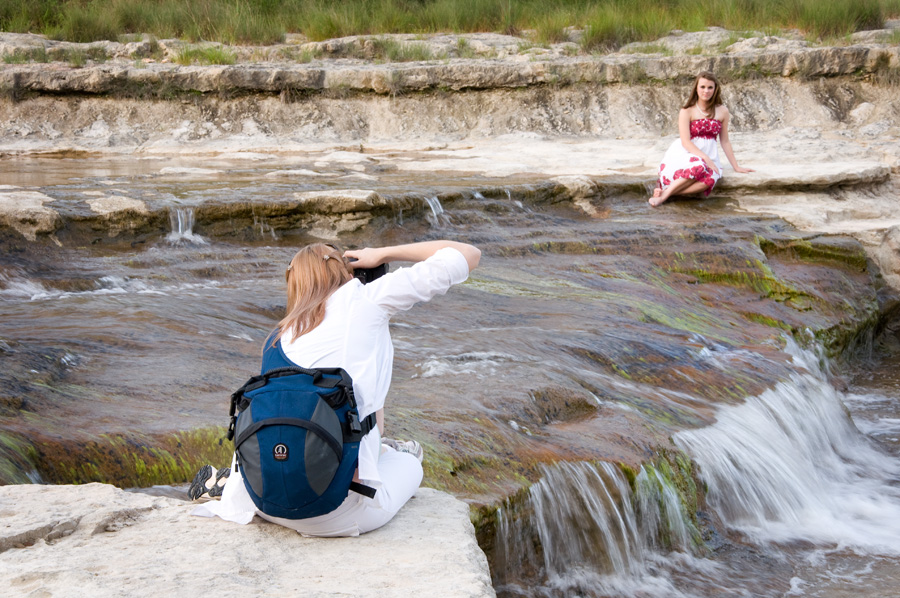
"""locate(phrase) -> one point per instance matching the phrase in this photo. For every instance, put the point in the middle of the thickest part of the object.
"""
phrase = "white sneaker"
(410, 446)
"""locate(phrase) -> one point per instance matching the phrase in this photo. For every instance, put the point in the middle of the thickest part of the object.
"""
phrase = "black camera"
(367, 275)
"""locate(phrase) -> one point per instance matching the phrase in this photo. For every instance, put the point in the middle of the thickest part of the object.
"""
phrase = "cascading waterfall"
(182, 223)
(581, 530)
(661, 514)
(790, 464)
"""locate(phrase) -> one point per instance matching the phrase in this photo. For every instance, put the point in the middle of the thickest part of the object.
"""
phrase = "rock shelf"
(96, 540)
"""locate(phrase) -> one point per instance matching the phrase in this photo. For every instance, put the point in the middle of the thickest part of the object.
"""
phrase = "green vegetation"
(22, 57)
(75, 57)
(210, 55)
(605, 24)
(464, 48)
(390, 50)
(130, 460)
(650, 49)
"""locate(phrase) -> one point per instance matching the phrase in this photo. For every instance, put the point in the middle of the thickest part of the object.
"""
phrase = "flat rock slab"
(96, 540)
(806, 176)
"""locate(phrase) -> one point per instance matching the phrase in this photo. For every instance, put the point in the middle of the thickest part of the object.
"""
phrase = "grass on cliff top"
(607, 24)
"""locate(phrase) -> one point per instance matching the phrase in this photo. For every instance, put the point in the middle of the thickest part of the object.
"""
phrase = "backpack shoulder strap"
(273, 355)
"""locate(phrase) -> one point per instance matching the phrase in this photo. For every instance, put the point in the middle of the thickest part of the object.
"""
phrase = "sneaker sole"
(216, 490)
(198, 484)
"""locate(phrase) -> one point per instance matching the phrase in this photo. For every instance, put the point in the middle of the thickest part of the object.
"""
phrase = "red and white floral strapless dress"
(678, 163)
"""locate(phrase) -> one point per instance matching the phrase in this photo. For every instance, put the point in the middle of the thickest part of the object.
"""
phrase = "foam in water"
(869, 415)
(16, 287)
(22, 288)
(474, 362)
(791, 465)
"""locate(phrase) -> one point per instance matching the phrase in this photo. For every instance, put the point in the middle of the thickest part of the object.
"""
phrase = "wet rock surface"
(583, 321)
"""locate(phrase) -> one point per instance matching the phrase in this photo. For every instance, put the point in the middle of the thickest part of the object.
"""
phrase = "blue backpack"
(296, 437)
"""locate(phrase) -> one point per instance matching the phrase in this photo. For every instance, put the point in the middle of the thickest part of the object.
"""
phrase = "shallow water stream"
(579, 338)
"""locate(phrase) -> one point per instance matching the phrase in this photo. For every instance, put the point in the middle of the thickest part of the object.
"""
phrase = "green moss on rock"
(132, 460)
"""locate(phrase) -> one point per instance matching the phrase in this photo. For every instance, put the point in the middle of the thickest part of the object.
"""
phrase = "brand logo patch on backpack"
(280, 452)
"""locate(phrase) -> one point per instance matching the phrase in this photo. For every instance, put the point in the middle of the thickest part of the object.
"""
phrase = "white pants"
(401, 474)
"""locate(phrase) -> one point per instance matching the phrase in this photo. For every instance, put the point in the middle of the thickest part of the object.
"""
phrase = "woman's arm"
(726, 143)
(371, 257)
(684, 132)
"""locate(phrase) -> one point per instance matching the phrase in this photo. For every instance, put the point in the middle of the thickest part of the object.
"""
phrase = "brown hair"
(695, 97)
(315, 272)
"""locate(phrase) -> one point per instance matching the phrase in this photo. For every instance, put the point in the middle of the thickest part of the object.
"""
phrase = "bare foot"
(657, 198)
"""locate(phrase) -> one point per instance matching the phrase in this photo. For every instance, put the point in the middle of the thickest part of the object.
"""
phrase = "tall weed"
(551, 29)
(606, 23)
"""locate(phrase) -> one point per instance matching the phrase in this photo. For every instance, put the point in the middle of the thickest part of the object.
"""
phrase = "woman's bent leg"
(675, 188)
(401, 474)
(684, 187)
(694, 189)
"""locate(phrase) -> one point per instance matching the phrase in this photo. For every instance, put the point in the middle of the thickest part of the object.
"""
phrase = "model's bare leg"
(694, 189)
(678, 187)
(674, 189)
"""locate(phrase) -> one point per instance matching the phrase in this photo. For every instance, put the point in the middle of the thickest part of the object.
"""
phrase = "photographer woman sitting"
(333, 320)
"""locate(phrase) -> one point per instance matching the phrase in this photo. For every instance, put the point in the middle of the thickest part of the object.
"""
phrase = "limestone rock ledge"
(162, 79)
(97, 540)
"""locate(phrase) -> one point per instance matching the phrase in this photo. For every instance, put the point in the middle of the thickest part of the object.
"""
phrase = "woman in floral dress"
(691, 165)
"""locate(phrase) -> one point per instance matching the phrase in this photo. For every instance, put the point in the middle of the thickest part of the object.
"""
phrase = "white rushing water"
(791, 465)
(438, 217)
(581, 530)
(787, 470)
(182, 222)
(19, 287)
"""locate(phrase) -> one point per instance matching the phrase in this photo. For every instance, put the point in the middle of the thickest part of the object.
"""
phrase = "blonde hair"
(315, 272)
(695, 97)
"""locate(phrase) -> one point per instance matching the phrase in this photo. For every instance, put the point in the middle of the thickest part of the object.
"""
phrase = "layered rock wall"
(135, 105)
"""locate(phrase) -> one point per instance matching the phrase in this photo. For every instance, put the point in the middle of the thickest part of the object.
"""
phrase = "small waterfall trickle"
(581, 530)
(265, 229)
(438, 218)
(182, 227)
(790, 465)
(515, 202)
